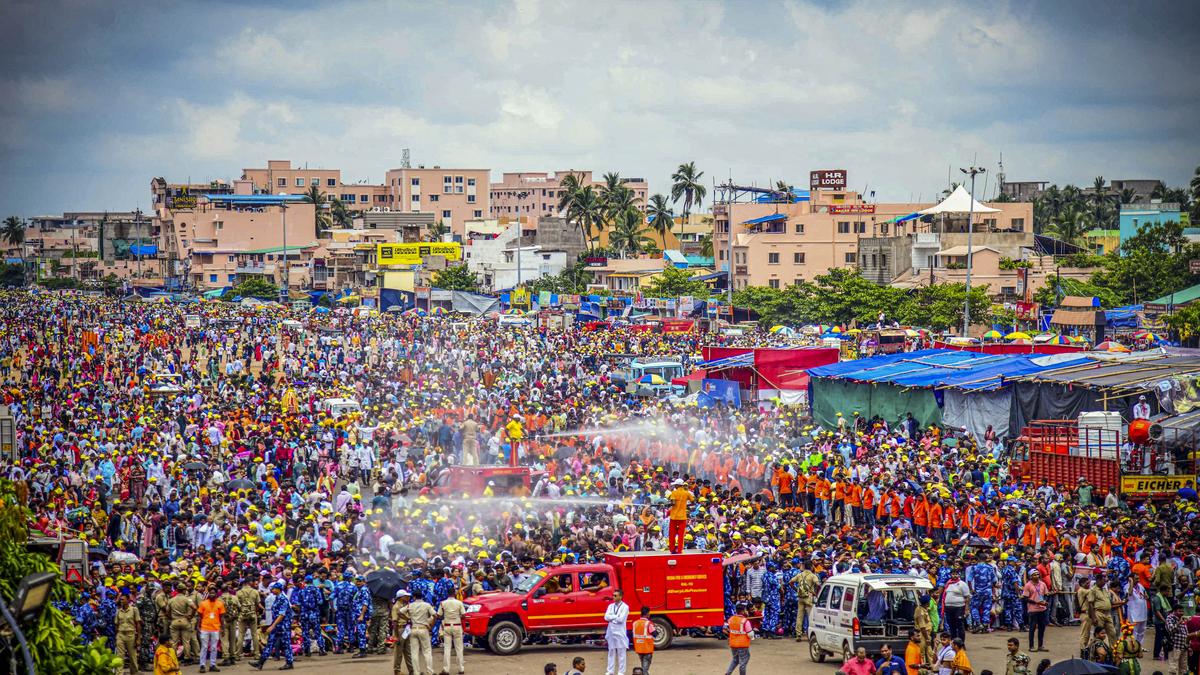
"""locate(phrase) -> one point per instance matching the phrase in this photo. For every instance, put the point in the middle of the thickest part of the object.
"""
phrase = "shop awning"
(766, 219)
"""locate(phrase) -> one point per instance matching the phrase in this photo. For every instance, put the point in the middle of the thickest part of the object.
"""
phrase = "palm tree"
(13, 230)
(1070, 225)
(706, 245)
(341, 215)
(1129, 196)
(628, 235)
(568, 188)
(587, 211)
(661, 216)
(686, 185)
(437, 230)
(322, 221)
(614, 197)
(1100, 201)
(1195, 185)
(785, 188)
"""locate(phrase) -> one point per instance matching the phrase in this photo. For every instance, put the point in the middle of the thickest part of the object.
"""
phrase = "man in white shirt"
(945, 655)
(618, 641)
(1141, 409)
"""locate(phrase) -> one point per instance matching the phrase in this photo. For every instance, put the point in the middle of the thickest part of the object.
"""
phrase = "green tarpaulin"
(885, 400)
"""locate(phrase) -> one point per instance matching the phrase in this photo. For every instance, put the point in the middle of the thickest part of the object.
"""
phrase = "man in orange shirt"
(785, 488)
(211, 610)
(680, 497)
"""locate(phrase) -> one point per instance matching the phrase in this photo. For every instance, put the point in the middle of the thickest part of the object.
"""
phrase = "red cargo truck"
(684, 590)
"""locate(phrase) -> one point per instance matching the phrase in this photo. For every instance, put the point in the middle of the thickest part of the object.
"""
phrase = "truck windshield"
(527, 584)
(887, 605)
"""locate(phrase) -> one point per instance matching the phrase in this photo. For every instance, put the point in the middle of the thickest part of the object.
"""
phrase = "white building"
(491, 251)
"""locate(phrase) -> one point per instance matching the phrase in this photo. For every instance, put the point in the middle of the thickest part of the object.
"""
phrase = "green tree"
(706, 245)
(341, 215)
(322, 220)
(1185, 322)
(437, 230)
(13, 230)
(1101, 203)
(673, 283)
(568, 187)
(586, 210)
(55, 641)
(574, 279)
(628, 236)
(940, 306)
(660, 215)
(1070, 224)
(686, 185)
(456, 278)
(12, 275)
(253, 287)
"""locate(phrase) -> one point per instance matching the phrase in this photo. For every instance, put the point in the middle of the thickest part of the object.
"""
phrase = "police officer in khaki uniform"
(421, 616)
(182, 613)
(806, 590)
(1100, 603)
(248, 602)
(194, 638)
(1083, 600)
(229, 624)
(401, 657)
(129, 629)
(451, 611)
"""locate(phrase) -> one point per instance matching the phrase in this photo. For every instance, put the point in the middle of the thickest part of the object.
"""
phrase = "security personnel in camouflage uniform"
(229, 625)
(128, 624)
(361, 609)
(307, 600)
(279, 631)
(248, 601)
(378, 626)
(182, 614)
(151, 630)
(343, 611)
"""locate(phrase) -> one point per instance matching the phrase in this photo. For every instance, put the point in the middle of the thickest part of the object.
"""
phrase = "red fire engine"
(684, 590)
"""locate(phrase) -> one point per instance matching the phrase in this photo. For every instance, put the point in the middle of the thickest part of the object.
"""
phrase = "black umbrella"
(240, 484)
(384, 584)
(196, 466)
(1079, 667)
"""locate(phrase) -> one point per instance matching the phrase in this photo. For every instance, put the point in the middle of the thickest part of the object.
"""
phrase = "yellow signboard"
(415, 254)
(1156, 485)
(519, 296)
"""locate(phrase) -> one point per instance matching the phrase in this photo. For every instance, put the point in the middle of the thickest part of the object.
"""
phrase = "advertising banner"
(415, 254)
(719, 391)
(1156, 486)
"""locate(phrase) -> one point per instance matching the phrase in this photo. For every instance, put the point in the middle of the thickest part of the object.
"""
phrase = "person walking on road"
(740, 632)
(618, 642)
(643, 639)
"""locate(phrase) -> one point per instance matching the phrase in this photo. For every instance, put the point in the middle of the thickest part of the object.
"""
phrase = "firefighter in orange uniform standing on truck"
(643, 639)
(678, 515)
(739, 630)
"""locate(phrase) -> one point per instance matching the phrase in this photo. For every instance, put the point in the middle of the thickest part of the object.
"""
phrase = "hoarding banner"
(1156, 485)
(415, 254)
(827, 179)
(852, 208)
(719, 391)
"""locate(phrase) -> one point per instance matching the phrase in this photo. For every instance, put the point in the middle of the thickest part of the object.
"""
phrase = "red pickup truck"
(684, 590)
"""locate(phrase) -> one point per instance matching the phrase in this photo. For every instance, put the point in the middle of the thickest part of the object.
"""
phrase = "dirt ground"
(689, 657)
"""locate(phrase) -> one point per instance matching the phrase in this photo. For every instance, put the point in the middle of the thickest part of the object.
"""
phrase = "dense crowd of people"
(244, 510)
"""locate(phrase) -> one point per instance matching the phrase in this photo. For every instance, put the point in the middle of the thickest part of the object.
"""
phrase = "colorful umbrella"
(1018, 335)
(991, 335)
(1110, 346)
(439, 311)
(1148, 336)
(652, 379)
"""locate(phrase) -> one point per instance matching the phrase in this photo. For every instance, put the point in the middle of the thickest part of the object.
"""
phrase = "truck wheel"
(505, 638)
(814, 650)
(846, 653)
(664, 634)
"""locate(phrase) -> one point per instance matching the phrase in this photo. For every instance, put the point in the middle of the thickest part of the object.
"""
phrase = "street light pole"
(286, 291)
(972, 172)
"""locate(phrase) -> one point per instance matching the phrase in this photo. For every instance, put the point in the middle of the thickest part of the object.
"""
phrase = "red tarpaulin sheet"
(774, 368)
(694, 375)
(678, 325)
(1002, 348)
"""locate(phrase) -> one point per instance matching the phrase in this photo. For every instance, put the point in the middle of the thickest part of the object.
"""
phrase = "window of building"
(851, 258)
(797, 281)
(860, 227)
(839, 197)
(874, 260)
(348, 198)
(416, 199)
(883, 260)
(433, 198)
(772, 258)
(471, 181)
(212, 278)
(458, 179)
(1018, 224)
(231, 276)
(445, 214)
(470, 199)
(218, 224)
(314, 181)
(721, 254)
(843, 227)
(282, 182)
(447, 184)
(773, 283)
(299, 182)
(799, 228)
(883, 229)
(798, 258)
(364, 198)
(478, 213)
(1008, 290)
(990, 223)
(415, 182)
(331, 182)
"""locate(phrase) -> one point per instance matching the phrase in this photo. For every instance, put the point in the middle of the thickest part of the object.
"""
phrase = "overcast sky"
(99, 97)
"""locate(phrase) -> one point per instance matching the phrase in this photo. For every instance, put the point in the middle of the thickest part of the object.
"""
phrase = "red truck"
(684, 590)
(507, 481)
(1056, 451)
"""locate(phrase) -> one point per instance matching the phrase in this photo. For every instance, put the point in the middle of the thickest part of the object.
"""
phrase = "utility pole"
(972, 172)
(285, 292)
(137, 226)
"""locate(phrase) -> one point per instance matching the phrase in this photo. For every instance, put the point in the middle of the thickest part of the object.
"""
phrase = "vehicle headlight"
(473, 608)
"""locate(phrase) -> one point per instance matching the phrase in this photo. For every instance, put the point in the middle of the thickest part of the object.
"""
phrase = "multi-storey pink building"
(453, 196)
(281, 177)
(535, 194)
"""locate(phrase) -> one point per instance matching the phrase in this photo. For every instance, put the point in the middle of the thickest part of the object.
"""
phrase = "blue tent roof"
(766, 219)
(934, 368)
(798, 195)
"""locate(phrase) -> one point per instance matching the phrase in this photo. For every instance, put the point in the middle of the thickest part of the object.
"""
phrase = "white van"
(863, 610)
(336, 407)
